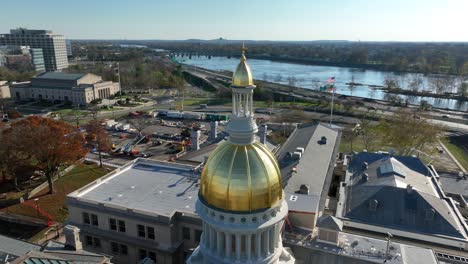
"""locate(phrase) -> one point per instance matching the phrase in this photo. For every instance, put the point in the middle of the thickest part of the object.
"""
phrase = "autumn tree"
(51, 144)
(11, 157)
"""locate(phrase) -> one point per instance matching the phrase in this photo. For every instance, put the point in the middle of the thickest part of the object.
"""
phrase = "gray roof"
(302, 203)
(359, 249)
(379, 195)
(453, 184)
(152, 187)
(417, 255)
(17, 248)
(60, 76)
(330, 222)
(59, 250)
(316, 165)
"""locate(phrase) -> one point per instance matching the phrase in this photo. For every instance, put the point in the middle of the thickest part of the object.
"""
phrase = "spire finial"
(243, 49)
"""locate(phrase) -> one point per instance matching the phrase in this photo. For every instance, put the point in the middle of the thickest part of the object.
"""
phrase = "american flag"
(331, 80)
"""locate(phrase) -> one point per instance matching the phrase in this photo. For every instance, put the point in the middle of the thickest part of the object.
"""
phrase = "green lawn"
(457, 152)
(54, 204)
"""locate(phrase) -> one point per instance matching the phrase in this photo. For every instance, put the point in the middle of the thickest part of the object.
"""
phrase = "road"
(456, 122)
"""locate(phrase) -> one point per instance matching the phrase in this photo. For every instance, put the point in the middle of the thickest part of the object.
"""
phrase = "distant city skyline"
(295, 20)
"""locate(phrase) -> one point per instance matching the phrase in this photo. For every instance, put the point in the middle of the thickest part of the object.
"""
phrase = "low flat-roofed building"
(308, 178)
(399, 195)
(356, 249)
(77, 88)
(143, 209)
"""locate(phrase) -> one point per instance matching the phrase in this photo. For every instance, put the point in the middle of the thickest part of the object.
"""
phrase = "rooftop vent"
(365, 177)
(304, 189)
(323, 140)
(373, 205)
(409, 189)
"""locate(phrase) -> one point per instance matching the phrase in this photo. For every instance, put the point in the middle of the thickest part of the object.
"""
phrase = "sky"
(364, 20)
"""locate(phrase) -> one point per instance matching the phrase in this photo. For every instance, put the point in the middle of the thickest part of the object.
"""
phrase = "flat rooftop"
(453, 184)
(364, 248)
(60, 76)
(148, 186)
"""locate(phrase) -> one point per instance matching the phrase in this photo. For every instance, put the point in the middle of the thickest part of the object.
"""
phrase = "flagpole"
(331, 110)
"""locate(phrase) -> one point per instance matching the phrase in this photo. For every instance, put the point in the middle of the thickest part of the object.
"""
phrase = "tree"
(98, 137)
(403, 132)
(12, 157)
(138, 123)
(463, 89)
(415, 82)
(390, 82)
(51, 144)
(367, 132)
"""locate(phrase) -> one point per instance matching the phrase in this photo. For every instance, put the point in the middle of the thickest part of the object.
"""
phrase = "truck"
(194, 115)
(175, 114)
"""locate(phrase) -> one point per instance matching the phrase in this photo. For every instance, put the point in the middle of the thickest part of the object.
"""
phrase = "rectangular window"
(186, 233)
(117, 248)
(97, 242)
(142, 253)
(112, 224)
(123, 249)
(94, 220)
(150, 231)
(114, 247)
(86, 218)
(197, 235)
(141, 230)
(89, 240)
(121, 226)
(152, 256)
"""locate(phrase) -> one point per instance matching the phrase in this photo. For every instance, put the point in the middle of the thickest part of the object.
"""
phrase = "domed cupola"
(243, 75)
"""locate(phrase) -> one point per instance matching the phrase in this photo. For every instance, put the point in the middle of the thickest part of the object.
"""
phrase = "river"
(312, 77)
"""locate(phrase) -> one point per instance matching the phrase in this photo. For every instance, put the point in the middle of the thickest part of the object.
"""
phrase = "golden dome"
(242, 76)
(241, 178)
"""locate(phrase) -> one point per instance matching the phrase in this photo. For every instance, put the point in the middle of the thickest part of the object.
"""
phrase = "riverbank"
(425, 94)
(349, 81)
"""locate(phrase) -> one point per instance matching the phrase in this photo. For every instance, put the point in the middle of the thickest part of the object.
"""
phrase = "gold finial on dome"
(243, 75)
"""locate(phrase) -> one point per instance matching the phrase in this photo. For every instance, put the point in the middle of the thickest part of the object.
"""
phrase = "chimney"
(304, 189)
(263, 132)
(409, 189)
(72, 238)
(214, 130)
(195, 136)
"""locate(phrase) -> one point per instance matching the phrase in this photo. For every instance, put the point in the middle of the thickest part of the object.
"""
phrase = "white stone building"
(79, 89)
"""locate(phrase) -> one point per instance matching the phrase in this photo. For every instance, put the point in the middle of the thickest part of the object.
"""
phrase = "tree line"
(445, 58)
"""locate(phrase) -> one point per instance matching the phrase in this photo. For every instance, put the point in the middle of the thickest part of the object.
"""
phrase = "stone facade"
(79, 91)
